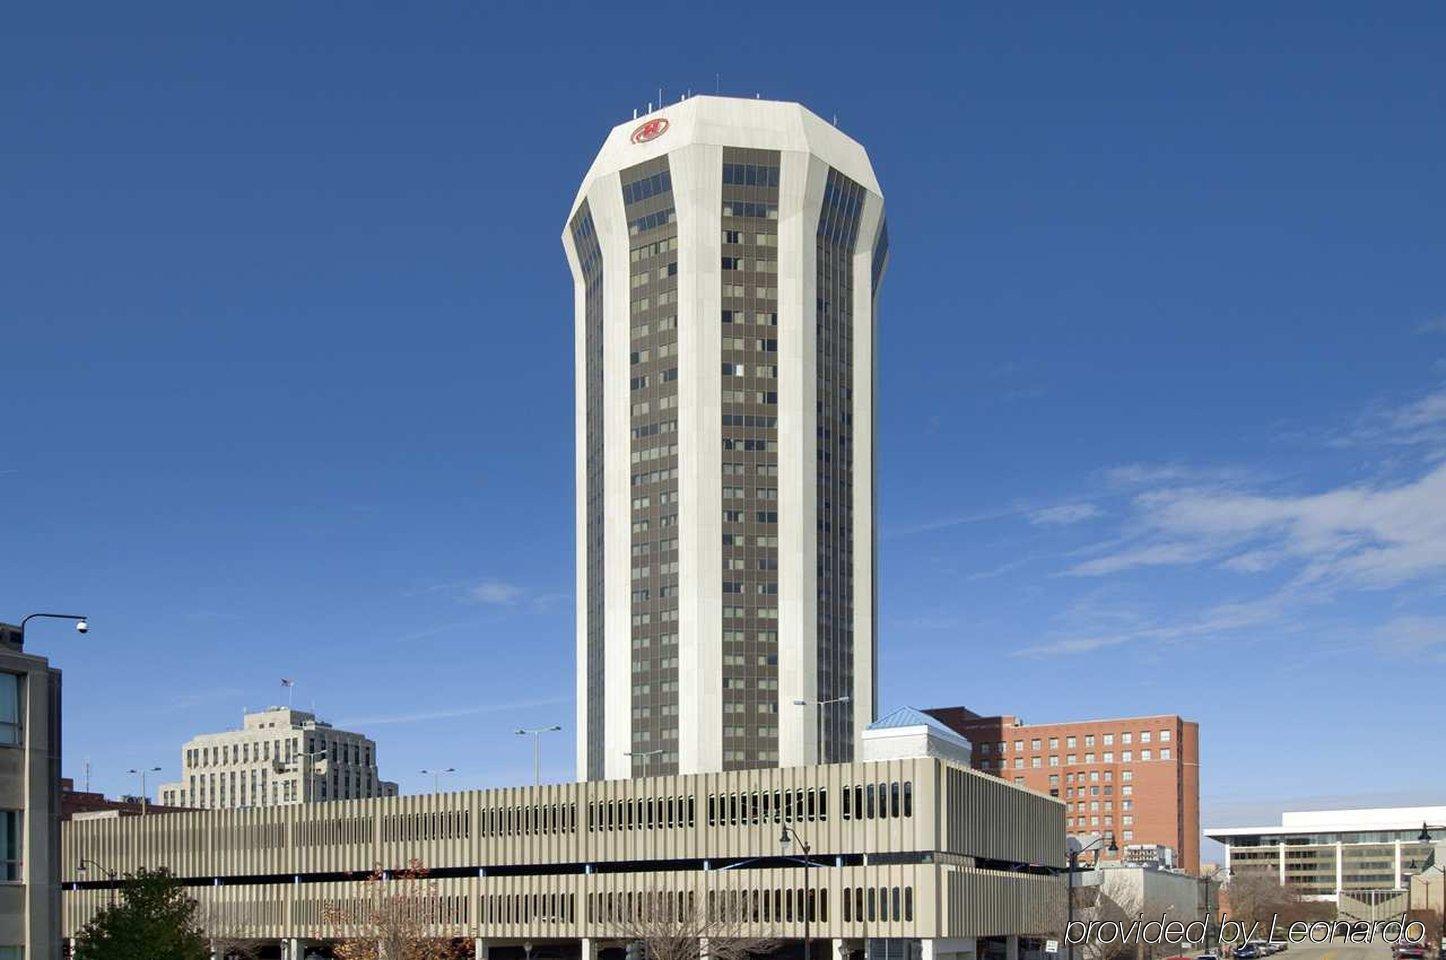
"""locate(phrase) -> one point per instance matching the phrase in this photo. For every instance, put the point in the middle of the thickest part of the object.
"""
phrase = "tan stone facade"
(29, 802)
(279, 756)
(915, 848)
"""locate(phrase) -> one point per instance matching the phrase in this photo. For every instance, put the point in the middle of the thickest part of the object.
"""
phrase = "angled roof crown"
(734, 122)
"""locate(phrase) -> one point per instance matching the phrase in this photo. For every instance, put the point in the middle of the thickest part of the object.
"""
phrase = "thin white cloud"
(1047, 515)
(1388, 534)
(1429, 411)
(945, 523)
(1074, 645)
(1432, 326)
(1144, 474)
(1414, 637)
(1064, 514)
(495, 592)
(1371, 536)
(1422, 422)
(1220, 619)
(1150, 555)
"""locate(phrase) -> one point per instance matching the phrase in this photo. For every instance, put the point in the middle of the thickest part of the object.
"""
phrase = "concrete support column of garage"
(481, 950)
(588, 949)
(1011, 947)
(840, 949)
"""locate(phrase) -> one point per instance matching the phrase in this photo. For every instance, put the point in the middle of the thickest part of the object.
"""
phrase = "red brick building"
(1137, 778)
(73, 801)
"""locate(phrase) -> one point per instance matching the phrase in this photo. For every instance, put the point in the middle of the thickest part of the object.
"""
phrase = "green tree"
(154, 920)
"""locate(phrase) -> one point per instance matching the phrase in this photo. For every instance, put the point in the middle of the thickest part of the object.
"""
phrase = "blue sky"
(287, 343)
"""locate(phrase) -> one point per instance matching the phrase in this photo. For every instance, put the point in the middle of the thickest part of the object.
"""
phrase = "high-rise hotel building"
(726, 256)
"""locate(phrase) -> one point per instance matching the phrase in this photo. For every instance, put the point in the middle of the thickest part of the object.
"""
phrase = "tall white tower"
(726, 256)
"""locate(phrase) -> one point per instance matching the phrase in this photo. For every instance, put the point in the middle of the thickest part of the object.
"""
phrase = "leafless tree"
(1108, 909)
(675, 926)
(392, 921)
(1256, 897)
(233, 939)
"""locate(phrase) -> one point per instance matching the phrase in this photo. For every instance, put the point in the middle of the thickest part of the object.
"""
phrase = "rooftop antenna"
(87, 774)
(717, 83)
(660, 98)
(635, 113)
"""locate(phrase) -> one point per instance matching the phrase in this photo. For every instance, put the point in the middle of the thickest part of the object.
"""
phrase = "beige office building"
(726, 256)
(1366, 854)
(279, 756)
(919, 857)
(29, 803)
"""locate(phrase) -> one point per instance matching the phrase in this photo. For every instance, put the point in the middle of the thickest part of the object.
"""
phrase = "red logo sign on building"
(650, 130)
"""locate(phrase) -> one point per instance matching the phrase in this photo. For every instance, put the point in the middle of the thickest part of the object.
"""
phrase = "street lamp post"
(143, 773)
(788, 836)
(818, 706)
(536, 735)
(437, 777)
(1425, 837)
(109, 874)
(82, 624)
(646, 755)
(1412, 866)
(1069, 884)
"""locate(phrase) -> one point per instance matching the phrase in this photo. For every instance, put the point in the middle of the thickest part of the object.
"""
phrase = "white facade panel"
(696, 137)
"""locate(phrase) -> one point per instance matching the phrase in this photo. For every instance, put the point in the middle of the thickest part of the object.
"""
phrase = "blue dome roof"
(911, 717)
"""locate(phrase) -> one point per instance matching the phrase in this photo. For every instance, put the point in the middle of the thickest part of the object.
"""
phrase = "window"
(1164, 736)
(11, 733)
(12, 846)
(1164, 753)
